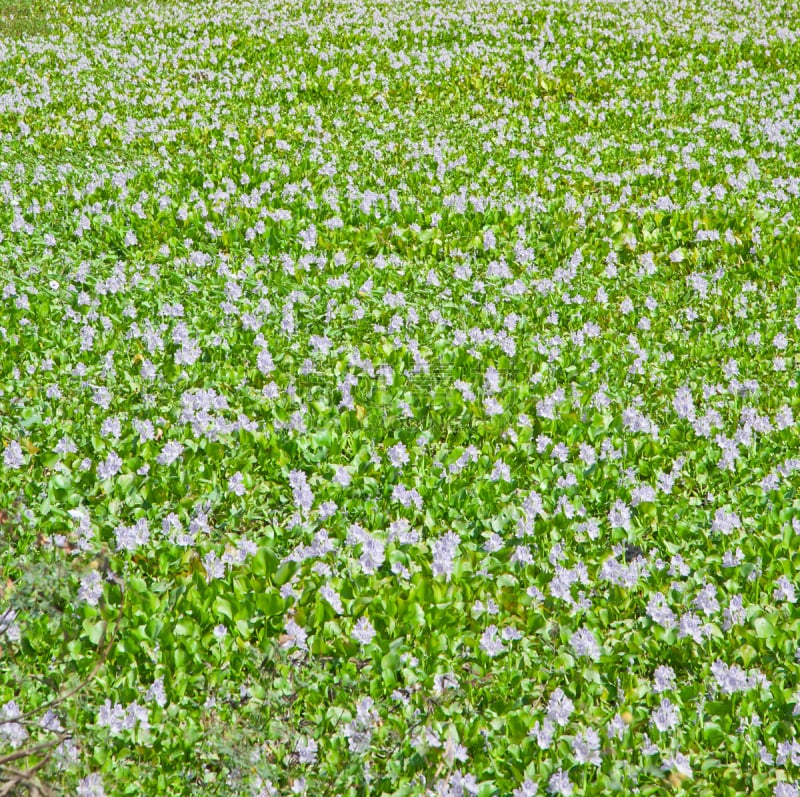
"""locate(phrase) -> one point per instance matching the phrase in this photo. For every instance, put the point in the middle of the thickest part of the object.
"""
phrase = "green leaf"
(93, 631)
(390, 664)
(265, 563)
(763, 627)
(284, 573)
(223, 607)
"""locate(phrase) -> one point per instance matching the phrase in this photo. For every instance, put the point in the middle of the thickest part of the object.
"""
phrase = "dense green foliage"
(399, 398)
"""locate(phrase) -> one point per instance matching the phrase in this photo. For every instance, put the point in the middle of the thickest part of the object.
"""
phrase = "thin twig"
(32, 770)
(34, 785)
(29, 751)
(69, 693)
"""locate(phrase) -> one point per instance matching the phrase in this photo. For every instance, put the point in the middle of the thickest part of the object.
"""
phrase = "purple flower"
(332, 597)
(679, 763)
(490, 644)
(620, 516)
(363, 632)
(110, 467)
(560, 784)
(559, 708)
(169, 453)
(527, 789)
(91, 589)
(307, 751)
(584, 644)
(586, 747)
(663, 679)
(784, 590)
(398, 455)
(12, 456)
(236, 484)
(91, 786)
(666, 716)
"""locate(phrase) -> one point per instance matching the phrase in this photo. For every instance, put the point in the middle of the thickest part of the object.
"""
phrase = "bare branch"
(30, 751)
(34, 786)
(71, 692)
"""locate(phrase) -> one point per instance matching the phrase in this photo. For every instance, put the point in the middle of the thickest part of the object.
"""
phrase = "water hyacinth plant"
(399, 398)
